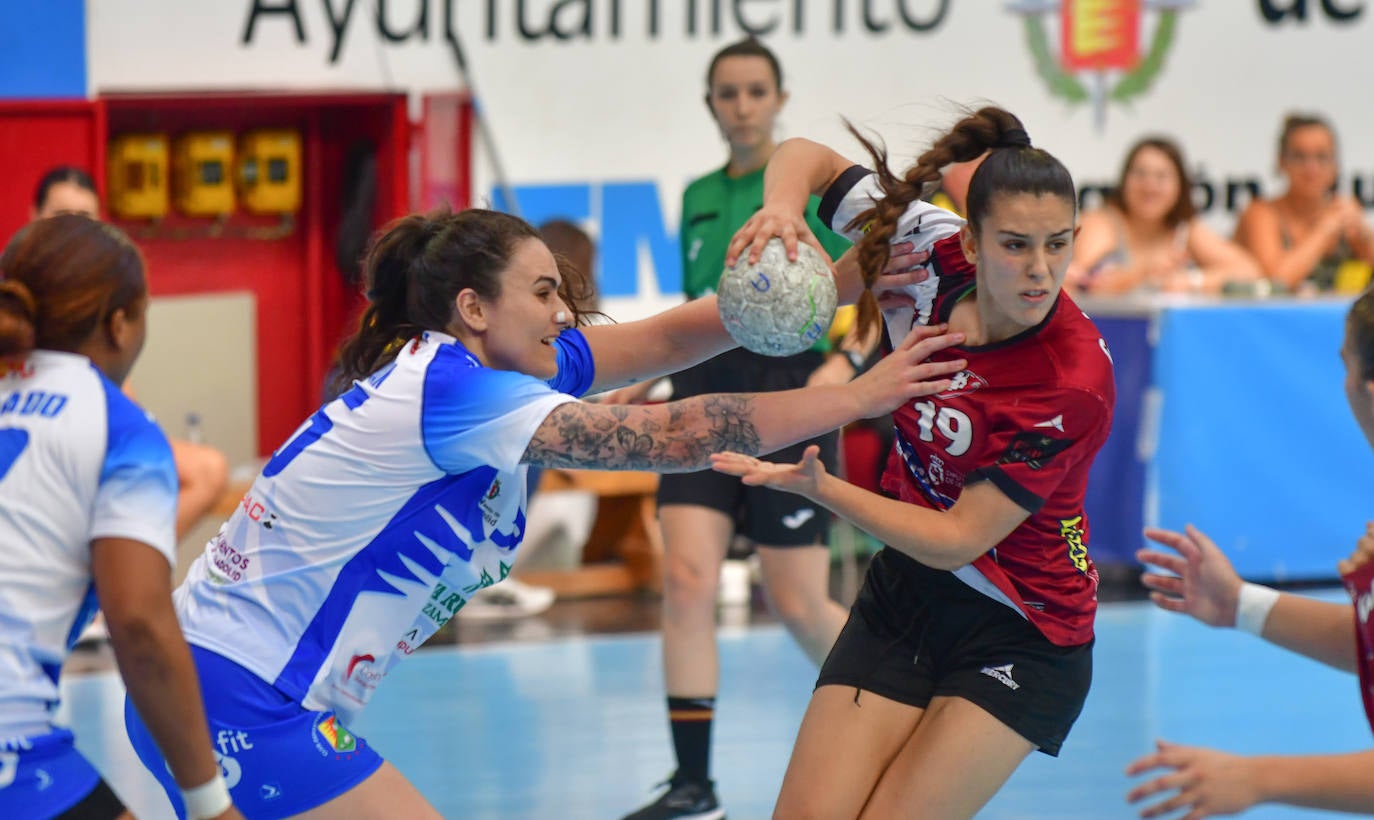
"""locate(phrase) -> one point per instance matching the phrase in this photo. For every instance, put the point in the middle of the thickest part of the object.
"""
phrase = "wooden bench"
(624, 552)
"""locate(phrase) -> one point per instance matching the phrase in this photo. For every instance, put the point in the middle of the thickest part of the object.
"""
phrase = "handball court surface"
(561, 716)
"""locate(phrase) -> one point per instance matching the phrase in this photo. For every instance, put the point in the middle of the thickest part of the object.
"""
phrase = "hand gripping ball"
(777, 307)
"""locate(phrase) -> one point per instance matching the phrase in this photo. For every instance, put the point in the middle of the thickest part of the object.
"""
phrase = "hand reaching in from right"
(1203, 583)
(1363, 554)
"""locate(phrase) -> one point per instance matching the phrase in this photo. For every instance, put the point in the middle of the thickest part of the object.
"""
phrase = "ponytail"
(385, 325)
(18, 317)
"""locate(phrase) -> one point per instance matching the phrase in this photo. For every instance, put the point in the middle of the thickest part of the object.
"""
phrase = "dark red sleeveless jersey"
(1028, 414)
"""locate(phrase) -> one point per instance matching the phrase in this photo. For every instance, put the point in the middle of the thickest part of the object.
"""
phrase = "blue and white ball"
(778, 307)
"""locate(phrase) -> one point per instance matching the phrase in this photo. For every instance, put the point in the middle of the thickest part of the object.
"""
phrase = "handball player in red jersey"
(970, 644)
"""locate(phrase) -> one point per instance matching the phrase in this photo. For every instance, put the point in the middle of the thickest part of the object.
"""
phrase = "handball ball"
(778, 307)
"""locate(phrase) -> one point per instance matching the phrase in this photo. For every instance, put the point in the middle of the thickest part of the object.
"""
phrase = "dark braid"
(969, 139)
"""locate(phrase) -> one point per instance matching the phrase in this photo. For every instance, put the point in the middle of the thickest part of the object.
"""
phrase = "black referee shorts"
(915, 633)
(762, 515)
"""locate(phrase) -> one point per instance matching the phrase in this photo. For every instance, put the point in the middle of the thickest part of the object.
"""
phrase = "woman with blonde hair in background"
(1309, 238)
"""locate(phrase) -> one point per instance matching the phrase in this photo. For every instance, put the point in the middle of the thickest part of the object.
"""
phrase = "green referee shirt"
(713, 208)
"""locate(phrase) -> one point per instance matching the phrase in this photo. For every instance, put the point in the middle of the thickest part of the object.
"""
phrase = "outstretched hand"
(1203, 584)
(766, 223)
(1206, 782)
(802, 478)
(905, 374)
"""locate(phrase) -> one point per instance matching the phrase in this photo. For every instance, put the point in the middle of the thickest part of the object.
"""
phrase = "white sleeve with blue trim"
(136, 498)
(857, 189)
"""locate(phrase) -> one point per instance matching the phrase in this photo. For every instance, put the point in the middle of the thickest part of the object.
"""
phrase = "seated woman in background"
(1148, 236)
(1309, 238)
(202, 471)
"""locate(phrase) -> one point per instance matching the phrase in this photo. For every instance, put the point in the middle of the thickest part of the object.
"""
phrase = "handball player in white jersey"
(87, 510)
(395, 503)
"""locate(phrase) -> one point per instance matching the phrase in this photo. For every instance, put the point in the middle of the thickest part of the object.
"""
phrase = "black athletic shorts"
(100, 803)
(764, 516)
(915, 633)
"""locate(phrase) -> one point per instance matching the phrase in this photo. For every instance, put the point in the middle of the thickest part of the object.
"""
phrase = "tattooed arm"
(668, 438)
(680, 436)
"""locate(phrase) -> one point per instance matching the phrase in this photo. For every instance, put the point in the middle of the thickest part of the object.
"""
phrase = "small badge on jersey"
(1034, 449)
(962, 383)
(490, 513)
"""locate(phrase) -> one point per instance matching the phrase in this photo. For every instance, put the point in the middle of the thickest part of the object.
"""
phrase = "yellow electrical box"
(136, 176)
(269, 171)
(202, 173)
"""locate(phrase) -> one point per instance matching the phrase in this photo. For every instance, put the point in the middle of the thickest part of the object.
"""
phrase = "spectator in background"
(1309, 238)
(1148, 236)
(1199, 581)
(202, 471)
(65, 189)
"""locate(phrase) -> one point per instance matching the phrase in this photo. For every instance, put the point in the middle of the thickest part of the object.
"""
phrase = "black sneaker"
(684, 800)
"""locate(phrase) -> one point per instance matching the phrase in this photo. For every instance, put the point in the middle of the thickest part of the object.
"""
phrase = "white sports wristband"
(210, 799)
(1252, 607)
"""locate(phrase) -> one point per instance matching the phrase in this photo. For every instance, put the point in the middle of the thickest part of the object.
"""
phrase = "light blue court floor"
(575, 728)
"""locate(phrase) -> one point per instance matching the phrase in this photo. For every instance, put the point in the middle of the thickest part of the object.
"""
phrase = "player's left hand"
(1363, 554)
(1205, 782)
(802, 478)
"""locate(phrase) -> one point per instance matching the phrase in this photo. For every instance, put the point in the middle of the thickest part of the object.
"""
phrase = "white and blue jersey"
(388, 509)
(78, 461)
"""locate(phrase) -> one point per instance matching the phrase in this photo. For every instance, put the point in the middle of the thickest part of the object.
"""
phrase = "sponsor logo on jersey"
(1057, 423)
(1099, 59)
(22, 369)
(257, 512)
(495, 489)
(1003, 674)
(962, 383)
(920, 475)
(1034, 450)
(362, 670)
(1071, 530)
(229, 564)
(339, 740)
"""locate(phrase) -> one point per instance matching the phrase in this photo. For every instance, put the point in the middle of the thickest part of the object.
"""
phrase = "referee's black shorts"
(762, 515)
(915, 633)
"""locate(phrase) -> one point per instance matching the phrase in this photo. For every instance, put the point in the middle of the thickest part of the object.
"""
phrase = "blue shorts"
(43, 776)
(279, 758)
